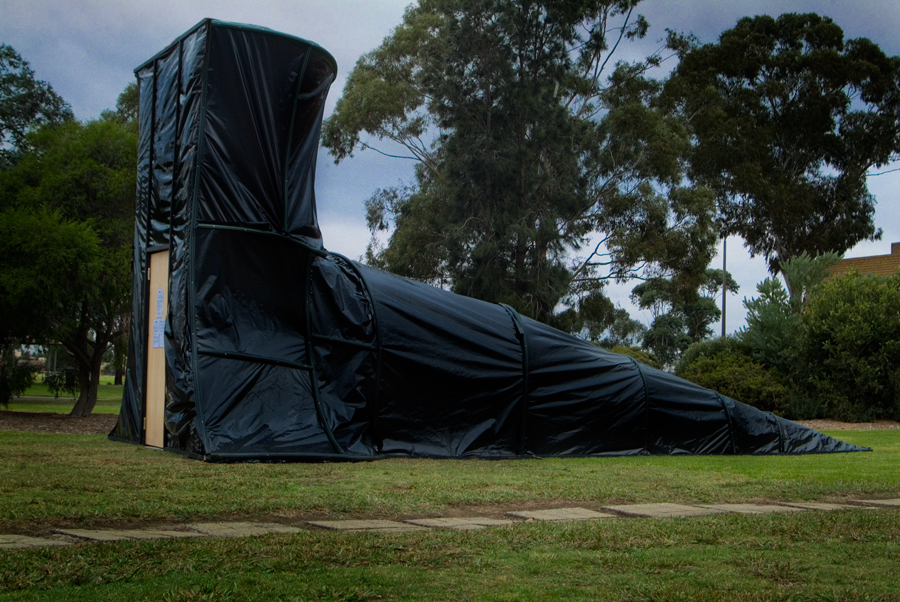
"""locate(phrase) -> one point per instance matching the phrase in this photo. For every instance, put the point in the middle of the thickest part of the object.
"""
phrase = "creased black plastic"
(342, 320)
(130, 424)
(276, 349)
(584, 400)
(181, 424)
(451, 374)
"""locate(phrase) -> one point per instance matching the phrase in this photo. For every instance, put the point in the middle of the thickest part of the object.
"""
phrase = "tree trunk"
(88, 379)
(117, 380)
(84, 387)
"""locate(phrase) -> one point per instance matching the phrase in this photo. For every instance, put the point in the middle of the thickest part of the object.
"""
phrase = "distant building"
(882, 265)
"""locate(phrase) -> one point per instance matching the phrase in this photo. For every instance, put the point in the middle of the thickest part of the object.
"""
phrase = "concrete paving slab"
(664, 510)
(752, 508)
(818, 505)
(561, 514)
(894, 502)
(471, 523)
(228, 529)
(20, 542)
(94, 534)
(158, 534)
(366, 525)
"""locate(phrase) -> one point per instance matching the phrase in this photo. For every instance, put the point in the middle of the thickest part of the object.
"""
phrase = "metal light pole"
(724, 282)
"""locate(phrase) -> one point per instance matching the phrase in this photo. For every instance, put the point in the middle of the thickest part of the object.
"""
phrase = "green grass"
(68, 480)
(63, 405)
(823, 556)
(73, 480)
(39, 398)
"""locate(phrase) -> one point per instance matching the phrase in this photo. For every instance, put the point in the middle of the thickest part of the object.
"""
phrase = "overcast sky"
(87, 50)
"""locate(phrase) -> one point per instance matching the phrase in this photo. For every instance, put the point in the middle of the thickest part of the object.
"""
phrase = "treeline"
(547, 165)
(830, 348)
(67, 192)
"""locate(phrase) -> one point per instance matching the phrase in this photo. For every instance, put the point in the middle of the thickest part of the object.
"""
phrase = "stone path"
(68, 537)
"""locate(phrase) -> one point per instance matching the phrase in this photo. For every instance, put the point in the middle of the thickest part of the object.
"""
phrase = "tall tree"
(72, 195)
(25, 104)
(788, 117)
(542, 168)
(682, 310)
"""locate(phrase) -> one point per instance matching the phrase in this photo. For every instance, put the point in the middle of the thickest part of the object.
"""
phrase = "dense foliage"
(682, 311)
(850, 349)
(830, 349)
(66, 222)
(788, 117)
(26, 103)
(543, 166)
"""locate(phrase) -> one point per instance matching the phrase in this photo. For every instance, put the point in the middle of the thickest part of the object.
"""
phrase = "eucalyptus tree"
(26, 103)
(788, 117)
(544, 166)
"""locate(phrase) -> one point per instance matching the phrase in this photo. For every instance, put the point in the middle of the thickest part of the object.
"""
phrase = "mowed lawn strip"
(53, 481)
(39, 398)
(63, 405)
(816, 555)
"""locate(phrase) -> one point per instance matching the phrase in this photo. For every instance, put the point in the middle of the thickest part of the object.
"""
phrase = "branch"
(884, 172)
(366, 146)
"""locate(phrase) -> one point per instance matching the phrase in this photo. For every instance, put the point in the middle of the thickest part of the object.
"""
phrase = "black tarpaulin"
(276, 349)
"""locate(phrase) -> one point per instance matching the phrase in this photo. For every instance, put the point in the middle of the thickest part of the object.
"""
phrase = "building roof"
(882, 265)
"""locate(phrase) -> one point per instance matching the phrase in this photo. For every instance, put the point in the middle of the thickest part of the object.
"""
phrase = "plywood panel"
(157, 308)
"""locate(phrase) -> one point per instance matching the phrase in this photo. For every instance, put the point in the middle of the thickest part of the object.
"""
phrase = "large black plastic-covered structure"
(276, 349)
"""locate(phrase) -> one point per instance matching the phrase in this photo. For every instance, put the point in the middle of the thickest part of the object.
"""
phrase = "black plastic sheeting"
(278, 350)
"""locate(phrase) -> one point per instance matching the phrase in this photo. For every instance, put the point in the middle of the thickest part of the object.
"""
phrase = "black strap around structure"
(310, 354)
(367, 290)
(523, 411)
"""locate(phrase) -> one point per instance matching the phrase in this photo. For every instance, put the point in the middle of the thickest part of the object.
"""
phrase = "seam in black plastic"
(256, 359)
(281, 235)
(646, 405)
(340, 341)
(310, 352)
(317, 91)
(373, 422)
(730, 423)
(189, 256)
(177, 148)
(781, 436)
(290, 138)
(523, 343)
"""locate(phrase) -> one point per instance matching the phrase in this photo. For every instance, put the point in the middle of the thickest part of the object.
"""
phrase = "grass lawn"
(68, 480)
(109, 399)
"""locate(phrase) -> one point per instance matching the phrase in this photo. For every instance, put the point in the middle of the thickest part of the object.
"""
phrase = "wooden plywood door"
(157, 308)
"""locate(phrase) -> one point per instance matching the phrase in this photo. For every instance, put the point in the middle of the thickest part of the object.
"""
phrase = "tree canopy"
(544, 166)
(682, 310)
(25, 104)
(66, 224)
(788, 116)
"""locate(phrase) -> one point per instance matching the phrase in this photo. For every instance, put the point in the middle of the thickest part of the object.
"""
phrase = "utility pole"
(724, 282)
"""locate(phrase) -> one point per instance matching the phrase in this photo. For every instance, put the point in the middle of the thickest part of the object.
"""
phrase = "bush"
(850, 349)
(641, 355)
(16, 375)
(709, 348)
(737, 376)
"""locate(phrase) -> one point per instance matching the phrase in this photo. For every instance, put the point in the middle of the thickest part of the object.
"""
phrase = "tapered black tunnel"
(276, 349)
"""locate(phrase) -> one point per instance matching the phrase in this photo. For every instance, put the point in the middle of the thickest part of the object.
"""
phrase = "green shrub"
(737, 376)
(639, 354)
(850, 348)
(709, 348)
(773, 326)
